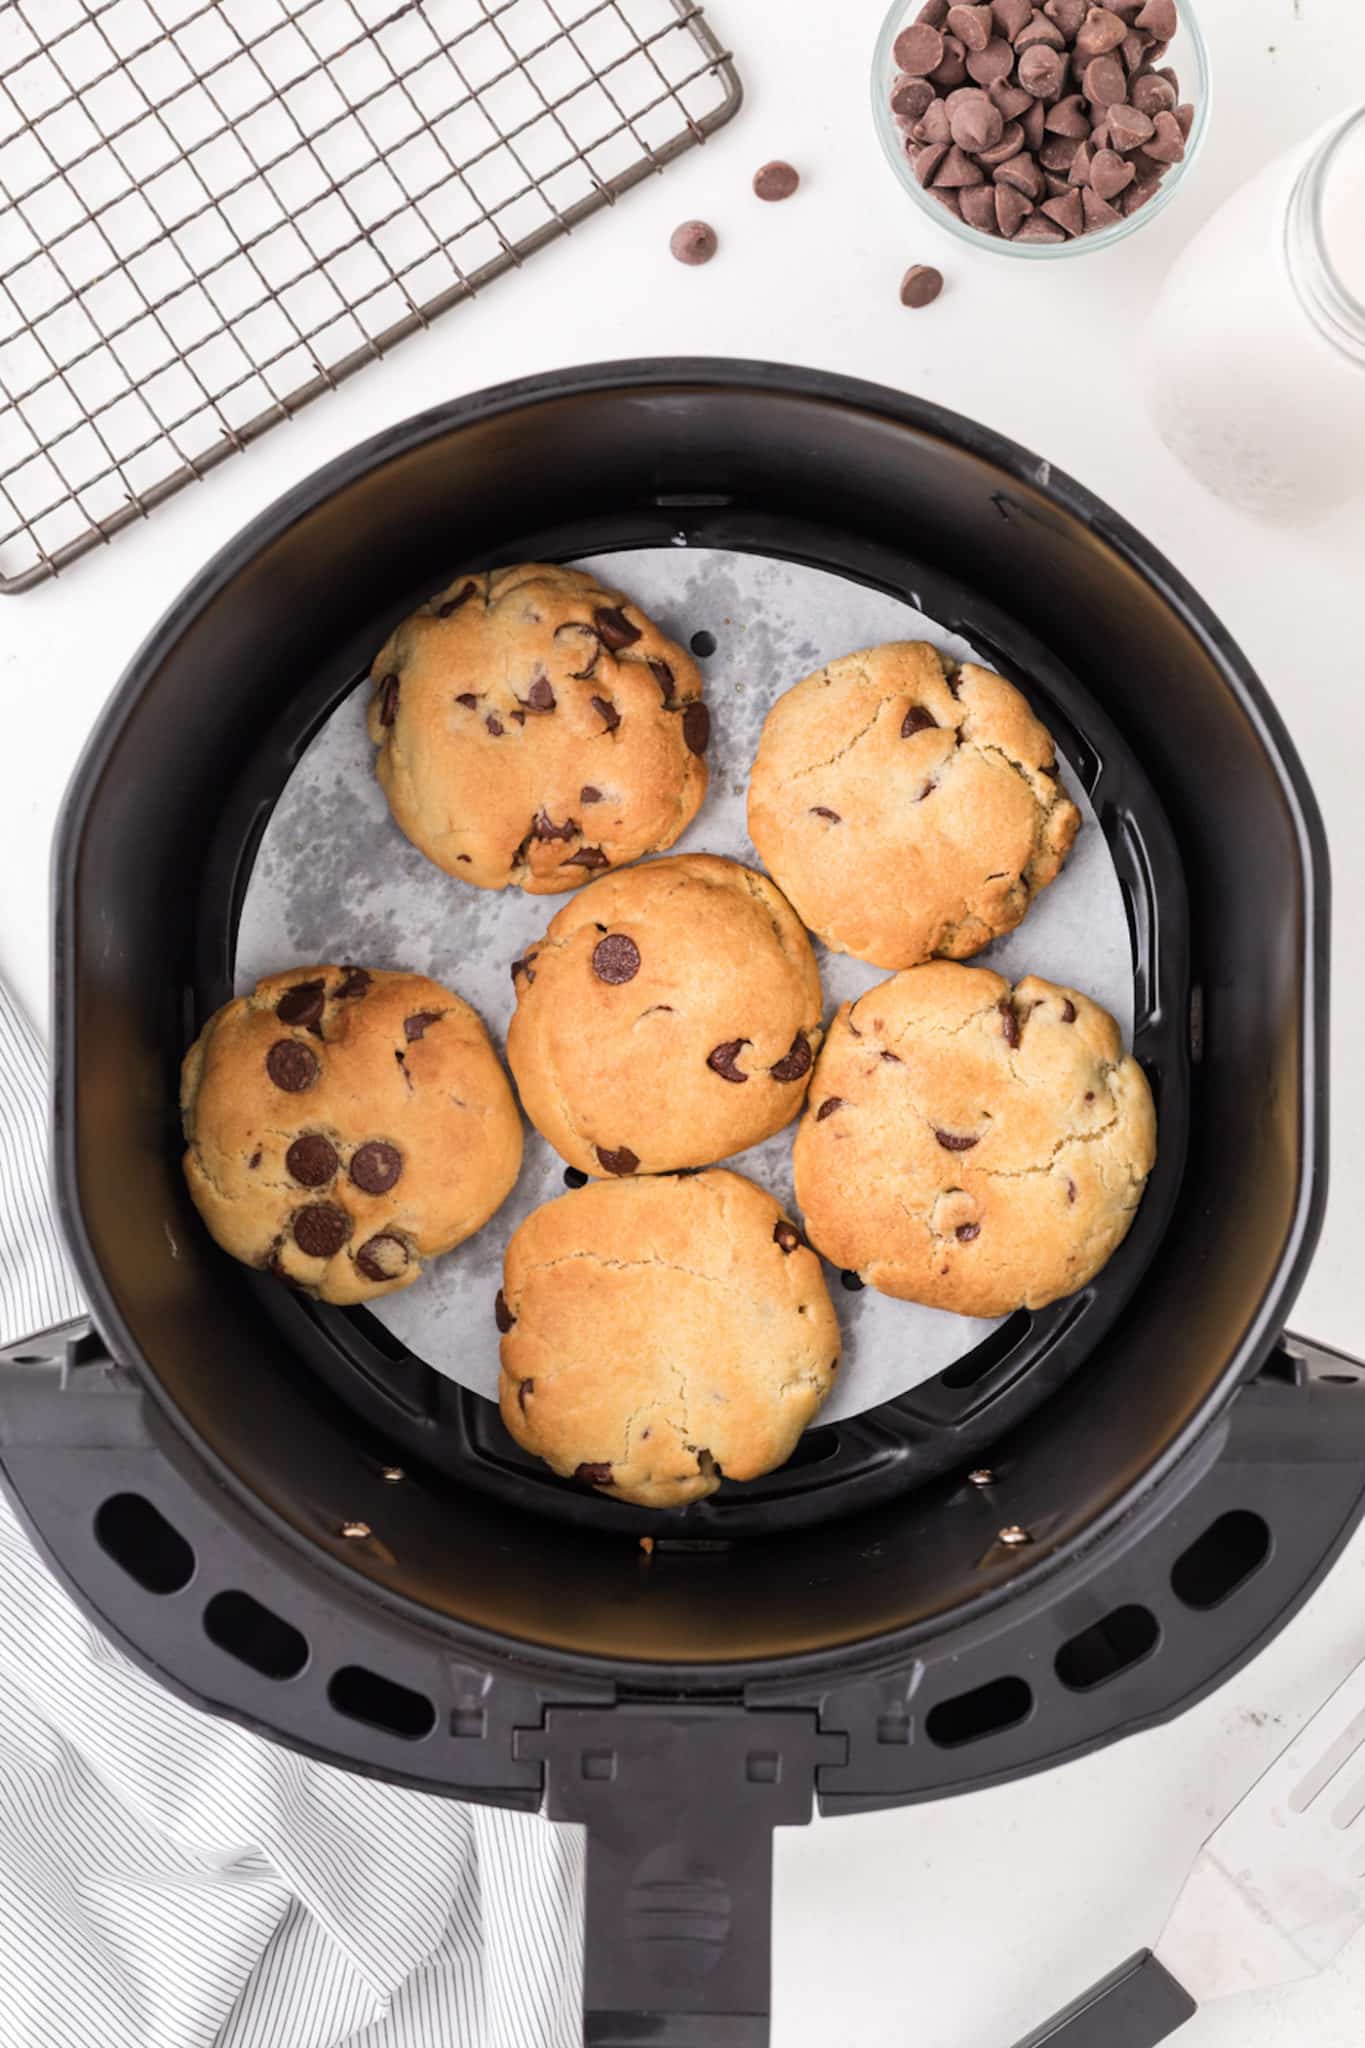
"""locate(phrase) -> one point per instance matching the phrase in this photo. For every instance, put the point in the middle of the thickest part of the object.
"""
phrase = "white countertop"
(963, 1924)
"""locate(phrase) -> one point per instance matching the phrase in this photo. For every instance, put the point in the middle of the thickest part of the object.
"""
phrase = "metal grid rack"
(211, 211)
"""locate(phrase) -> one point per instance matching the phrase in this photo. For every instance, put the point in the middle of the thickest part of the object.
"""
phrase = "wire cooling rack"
(211, 211)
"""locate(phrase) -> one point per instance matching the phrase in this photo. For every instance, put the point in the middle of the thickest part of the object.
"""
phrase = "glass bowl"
(1189, 55)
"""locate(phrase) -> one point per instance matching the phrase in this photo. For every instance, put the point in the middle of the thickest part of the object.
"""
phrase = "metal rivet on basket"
(983, 1476)
(357, 1531)
(393, 1473)
(1013, 1536)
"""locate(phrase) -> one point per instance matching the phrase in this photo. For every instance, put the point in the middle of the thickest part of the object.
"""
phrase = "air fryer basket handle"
(680, 1805)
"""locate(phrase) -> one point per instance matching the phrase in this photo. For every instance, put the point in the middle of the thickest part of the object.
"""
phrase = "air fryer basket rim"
(1034, 476)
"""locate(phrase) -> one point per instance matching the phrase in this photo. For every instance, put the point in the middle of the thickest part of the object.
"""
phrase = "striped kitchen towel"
(168, 1880)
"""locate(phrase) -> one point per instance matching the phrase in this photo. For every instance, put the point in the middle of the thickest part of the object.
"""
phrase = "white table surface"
(958, 1925)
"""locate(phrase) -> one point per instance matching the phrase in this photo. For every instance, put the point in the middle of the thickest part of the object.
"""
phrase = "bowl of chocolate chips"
(1045, 130)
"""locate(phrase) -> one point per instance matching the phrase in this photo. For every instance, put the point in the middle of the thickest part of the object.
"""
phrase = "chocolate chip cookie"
(659, 1335)
(908, 807)
(345, 1125)
(534, 728)
(973, 1146)
(669, 1017)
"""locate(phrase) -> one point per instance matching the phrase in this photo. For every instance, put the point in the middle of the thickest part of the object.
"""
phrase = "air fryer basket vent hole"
(990, 1353)
(813, 1446)
(1107, 1647)
(363, 1695)
(1220, 1560)
(142, 1542)
(986, 1710)
(255, 1636)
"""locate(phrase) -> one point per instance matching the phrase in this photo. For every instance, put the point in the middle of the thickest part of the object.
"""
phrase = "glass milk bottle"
(1254, 355)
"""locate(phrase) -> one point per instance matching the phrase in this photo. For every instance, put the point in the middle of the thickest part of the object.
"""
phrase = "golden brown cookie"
(971, 1146)
(660, 1335)
(909, 808)
(345, 1125)
(534, 728)
(669, 1017)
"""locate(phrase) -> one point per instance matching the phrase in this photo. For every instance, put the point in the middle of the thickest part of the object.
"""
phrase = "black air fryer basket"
(1076, 1530)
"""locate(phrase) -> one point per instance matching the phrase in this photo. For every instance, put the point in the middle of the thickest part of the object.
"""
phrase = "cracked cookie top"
(344, 1125)
(909, 808)
(534, 728)
(972, 1146)
(669, 1017)
(659, 1335)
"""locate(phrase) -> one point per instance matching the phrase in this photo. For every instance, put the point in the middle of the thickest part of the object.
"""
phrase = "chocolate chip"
(1041, 70)
(1167, 144)
(951, 1142)
(620, 1162)
(694, 242)
(613, 628)
(452, 604)
(1022, 175)
(854, 1282)
(355, 984)
(311, 1160)
(301, 1004)
(921, 285)
(593, 1475)
(975, 123)
(1099, 33)
(1081, 166)
(1012, 16)
(1066, 209)
(1011, 209)
(291, 1066)
(1010, 143)
(1184, 119)
(383, 1257)
(721, 1059)
(376, 1166)
(703, 644)
(415, 1026)
(468, 699)
(991, 65)
(541, 696)
(919, 49)
(965, 1232)
(934, 127)
(926, 163)
(787, 1236)
(1109, 174)
(523, 967)
(502, 1314)
(588, 795)
(1040, 34)
(793, 1064)
(525, 1387)
(1159, 19)
(972, 25)
(388, 700)
(953, 70)
(776, 181)
(1098, 212)
(1068, 15)
(1071, 1191)
(1153, 95)
(1068, 1011)
(1129, 128)
(495, 725)
(586, 857)
(1036, 229)
(1059, 152)
(545, 828)
(663, 676)
(1011, 101)
(1009, 1016)
(321, 1229)
(616, 959)
(607, 712)
(1105, 82)
(958, 171)
(911, 96)
(823, 811)
(255, 1159)
(828, 1107)
(696, 726)
(894, 1058)
(1068, 117)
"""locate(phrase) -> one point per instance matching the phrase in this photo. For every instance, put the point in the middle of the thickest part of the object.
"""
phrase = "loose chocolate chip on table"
(921, 285)
(616, 959)
(588, 795)
(917, 719)
(593, 1475)
(967, 1231)
(357, 980)
(721, 1059)
(703, 644)
(321, 1229)
(311, 1160)
(620, 1162)
(694, 242)
(828, 1107)
(452, 604)
(911, 96)
(607, 712)
(376, 1166)
(383, 1257)
(495, 725)
(951, 1141)
(586, 857)
(776, 180)
(502, 1314)
(919, 49)
(291, 1066)
(795, 1063)
(1009, 1016)
(541, 696)
(1068, 1011)
(613, 628)
(787, 1236)
(696, 726)
(415, 1026)
(301, 1004)
(388, 700)
(663, 676)
(545, 828)
(823, 811)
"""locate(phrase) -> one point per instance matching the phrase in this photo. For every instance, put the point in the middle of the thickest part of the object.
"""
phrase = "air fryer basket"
(1078, 1529)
